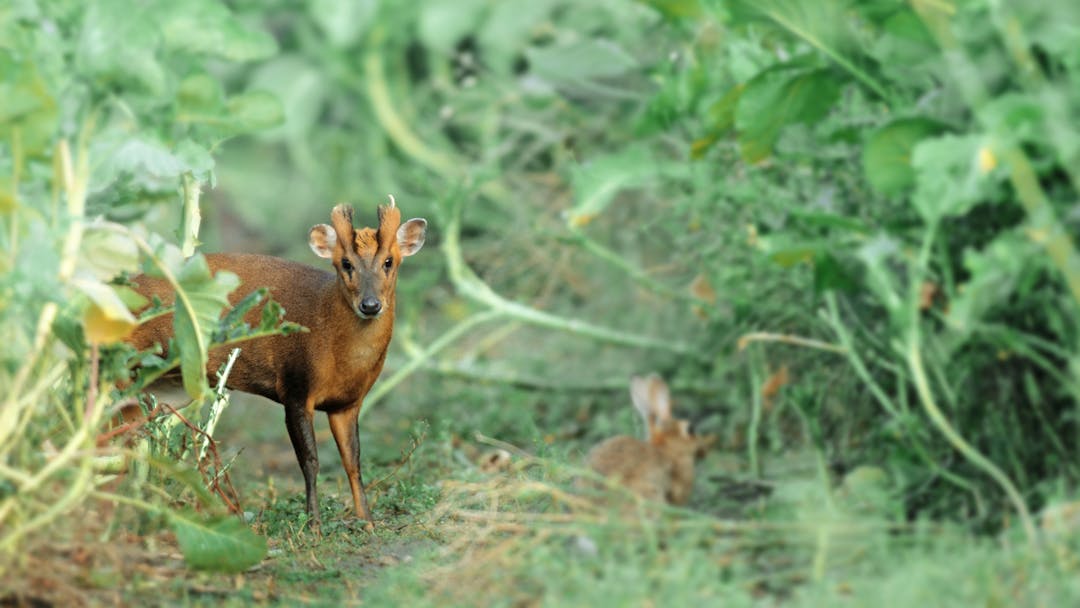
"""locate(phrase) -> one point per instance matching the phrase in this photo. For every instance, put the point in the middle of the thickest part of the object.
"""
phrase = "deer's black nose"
(370, 306)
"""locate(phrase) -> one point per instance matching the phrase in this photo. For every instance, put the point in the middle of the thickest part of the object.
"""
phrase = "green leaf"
(952, 175)
(198, 160)
(1014, 117)
(26, 103)
(254, 111)
(887, 154)
(343, 21)
(587, 67)
(118, 45)
(106, 253)
(208, 27)
(200, 93)
(443, 24)
(201, 102)
(218, 544)
(993, 275)
(302, 91)
(777, 98)
(508, 29)
(597, 182)
(823, 24)
(200, 298)
(676, 9)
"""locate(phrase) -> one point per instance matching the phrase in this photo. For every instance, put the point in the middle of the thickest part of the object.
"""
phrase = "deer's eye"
(389, 263)
(346, 265)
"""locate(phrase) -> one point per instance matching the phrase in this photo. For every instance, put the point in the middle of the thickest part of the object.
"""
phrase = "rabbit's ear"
(660, 397)
(652, 398)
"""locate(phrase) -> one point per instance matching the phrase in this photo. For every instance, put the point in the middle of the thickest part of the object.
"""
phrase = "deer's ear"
(322, 240)
(411, 235)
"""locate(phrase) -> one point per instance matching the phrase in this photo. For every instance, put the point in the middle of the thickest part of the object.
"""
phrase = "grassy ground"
(459, 523)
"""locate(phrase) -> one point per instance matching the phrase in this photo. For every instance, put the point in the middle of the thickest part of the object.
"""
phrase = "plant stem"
(419, 359)
(471, 286)
(189, 228)
(926, 397)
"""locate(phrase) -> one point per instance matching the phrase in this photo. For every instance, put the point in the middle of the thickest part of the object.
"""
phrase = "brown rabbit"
(661, 468)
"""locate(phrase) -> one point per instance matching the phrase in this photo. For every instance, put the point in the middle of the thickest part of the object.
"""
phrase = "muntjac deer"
(350, 315)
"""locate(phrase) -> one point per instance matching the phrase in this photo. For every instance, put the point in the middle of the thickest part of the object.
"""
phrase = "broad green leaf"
(254, 111)
(1014, 117)
(1053, 25)
(887, 154)
(443, 24)
(200, 299)
(209, 27)
(777, 98)
(823, 24)
(196, 159)
(598, 181)
(119, 45)
(905, 50)
(218, 544)
(201, 102)
(588, 67)
(106, 253)
(200, 93)
(141, 163)
(721, 119)
(343, 21)
(952, 175)
(301, 88)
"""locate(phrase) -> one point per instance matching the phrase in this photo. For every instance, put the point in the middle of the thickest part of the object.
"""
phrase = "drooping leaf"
(887, 153)
(200, 298)
(106, 253)
(777, 98)
(106, 318)
(218, 544)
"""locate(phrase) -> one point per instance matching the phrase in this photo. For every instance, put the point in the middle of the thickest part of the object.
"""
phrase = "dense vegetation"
(842, 231)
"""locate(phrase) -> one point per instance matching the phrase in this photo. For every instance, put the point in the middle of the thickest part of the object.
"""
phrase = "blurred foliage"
(880, 194)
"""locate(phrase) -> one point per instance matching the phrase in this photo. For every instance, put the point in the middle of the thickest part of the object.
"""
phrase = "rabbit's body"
(635, 464)
(661, 468)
